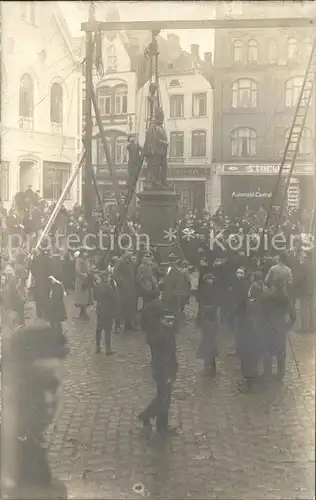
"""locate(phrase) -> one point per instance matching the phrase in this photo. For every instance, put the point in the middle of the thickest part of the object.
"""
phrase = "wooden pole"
(88, 174)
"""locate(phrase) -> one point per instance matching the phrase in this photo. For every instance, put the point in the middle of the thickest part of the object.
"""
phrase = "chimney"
(208, 58)
(172, 38)
(195, 51)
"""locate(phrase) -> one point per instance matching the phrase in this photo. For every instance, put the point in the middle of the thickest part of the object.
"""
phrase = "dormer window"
(175, 83)
(111, 59)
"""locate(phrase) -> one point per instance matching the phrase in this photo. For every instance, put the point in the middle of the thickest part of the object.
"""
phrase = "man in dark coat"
(159, 326)
(41, 270)
(105, 297)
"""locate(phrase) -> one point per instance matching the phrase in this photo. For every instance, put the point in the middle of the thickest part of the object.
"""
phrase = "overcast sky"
(77, 12)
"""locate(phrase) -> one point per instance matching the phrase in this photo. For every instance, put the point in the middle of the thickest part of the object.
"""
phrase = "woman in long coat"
(280, 316)
(208, 323)
(124, 275)
(56, 310)
(83, 285)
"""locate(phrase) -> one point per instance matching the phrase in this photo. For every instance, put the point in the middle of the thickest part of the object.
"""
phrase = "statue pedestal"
(158, 213)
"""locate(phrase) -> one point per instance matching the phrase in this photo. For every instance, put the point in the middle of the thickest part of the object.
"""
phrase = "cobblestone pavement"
(229, 445)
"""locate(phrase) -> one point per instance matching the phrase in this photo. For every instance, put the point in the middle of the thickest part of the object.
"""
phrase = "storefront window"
(55, 177)
(244, 93)
(243, 142)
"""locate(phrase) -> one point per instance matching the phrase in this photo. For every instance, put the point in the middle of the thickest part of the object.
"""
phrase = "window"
(176, 144)
(306, 142)
(26, 102)
(4, 180)
(292, 49)
(238, 51)
(199, 143)
(199, 105)
(176, 106)
(121, 156)
(56, 107)
(243, 142)
(308, 46)
(252, 51)
(28, 12)
(244, 94)
(175, 83)
(105, 101)
(117, 148)
(272, 52)
(120, 107)
(111, 59)
(55, 177)
(113, 101)
(292, 91)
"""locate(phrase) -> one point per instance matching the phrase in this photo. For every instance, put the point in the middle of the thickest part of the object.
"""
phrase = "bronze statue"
(155, 151)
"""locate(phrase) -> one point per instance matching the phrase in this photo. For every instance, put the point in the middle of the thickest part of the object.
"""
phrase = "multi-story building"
(41, 102)
(258, 76)
(187, 100)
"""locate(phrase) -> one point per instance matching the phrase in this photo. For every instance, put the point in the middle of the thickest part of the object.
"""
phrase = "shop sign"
(265, 169)
(251, 194)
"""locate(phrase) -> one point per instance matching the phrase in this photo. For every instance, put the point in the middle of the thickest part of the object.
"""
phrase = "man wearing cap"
(159, 326)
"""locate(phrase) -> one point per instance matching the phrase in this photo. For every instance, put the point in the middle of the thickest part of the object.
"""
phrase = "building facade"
(186, 97)
(41, 102)
(257, 80)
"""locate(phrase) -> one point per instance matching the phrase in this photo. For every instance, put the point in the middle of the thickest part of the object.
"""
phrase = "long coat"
(279, 315)
(56, 310)
(83, 288)
(125, 277)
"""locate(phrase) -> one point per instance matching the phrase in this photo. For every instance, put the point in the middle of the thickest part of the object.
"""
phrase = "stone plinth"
(158, 212)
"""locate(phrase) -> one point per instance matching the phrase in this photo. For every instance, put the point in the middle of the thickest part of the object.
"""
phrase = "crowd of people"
(253, 295)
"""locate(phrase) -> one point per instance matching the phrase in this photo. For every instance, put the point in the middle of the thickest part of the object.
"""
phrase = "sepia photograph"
(158, 258)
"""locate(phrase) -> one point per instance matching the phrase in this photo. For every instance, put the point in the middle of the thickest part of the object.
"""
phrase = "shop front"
(190, 183)
(253, 186)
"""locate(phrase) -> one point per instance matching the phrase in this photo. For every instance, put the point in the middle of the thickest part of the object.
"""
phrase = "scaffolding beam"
(201, 24)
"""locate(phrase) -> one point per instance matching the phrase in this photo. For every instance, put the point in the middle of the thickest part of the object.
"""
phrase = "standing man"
(159, 326)
(280, 272)
(105, 297)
